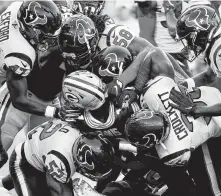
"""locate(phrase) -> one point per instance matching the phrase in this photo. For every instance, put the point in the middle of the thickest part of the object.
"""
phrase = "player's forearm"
(171, 23)
(177, 68)
(29, 106)
(214, 110)
(205, 78)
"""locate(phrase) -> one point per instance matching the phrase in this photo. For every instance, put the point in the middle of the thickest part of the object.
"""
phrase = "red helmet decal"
(83, 155)
(198, 19)
(114, 68)
(32, 17)
(82, 26)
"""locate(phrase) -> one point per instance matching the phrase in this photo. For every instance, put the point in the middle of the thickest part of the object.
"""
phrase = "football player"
(201, 37)
(46, 161)
(155, 95)
(113, 34)
(38, 99)
(26, 27)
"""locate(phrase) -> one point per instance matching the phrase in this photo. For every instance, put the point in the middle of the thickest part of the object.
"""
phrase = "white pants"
(12, 119)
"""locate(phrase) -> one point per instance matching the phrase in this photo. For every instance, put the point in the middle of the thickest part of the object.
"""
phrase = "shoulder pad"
(19, 63)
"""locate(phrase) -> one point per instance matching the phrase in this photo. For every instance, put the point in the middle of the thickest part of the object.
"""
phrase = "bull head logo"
(114, 67)
(82, 33)
(32, 17)
(83, 155)
(198, 19)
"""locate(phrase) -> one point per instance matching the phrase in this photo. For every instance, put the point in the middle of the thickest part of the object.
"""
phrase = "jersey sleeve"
(19, 63)
(58, 167)
(120, 35)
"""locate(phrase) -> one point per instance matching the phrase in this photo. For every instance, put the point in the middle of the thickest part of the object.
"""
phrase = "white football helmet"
(84, 89)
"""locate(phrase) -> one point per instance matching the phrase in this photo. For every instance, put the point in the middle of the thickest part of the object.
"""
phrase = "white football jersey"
(15, 50)
(114, 34)
(49, 147)
(186, 133)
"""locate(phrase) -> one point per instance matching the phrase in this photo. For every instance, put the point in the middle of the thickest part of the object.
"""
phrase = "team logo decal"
(147, 140)
(83, 157)
(34, 19)
(114, 67)
(83, 35)
(146, 114)
(198, 19)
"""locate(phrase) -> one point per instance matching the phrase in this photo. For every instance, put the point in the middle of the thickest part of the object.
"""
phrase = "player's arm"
(141, 48)
(171, 19)
(214, 110)
(147, 21)
(57, 188)
(18, 89)
(206, 78)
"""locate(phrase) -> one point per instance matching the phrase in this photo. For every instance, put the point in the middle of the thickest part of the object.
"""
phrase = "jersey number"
(195, 94)
(125, 36)
(47, 132)
(53, 169)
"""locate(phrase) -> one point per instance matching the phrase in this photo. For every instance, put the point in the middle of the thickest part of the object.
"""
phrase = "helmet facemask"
(82, 58)
(194, 45)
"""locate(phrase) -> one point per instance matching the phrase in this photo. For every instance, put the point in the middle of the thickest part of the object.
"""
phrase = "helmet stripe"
(95, 90)
(85, 82)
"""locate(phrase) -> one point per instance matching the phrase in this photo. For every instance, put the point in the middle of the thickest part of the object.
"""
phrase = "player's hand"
(70, 114)
(168, 5)
(180, 99)
(127, 97)
(114, 88)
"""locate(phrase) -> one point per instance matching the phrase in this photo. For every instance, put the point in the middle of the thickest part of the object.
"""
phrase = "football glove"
(69, 114)
(114, 88)
(181, 100)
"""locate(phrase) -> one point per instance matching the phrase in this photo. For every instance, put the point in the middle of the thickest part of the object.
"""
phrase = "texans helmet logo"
(114, 67)
(198, 19)
(83, 156)
(32, 17)
(148, 140)
(145, 114)
(84, 33)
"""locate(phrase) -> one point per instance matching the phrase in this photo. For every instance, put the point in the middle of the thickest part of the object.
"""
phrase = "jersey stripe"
(95, 124)
(85, 82)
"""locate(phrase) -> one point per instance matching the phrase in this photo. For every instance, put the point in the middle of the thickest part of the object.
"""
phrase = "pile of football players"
(113, 108)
